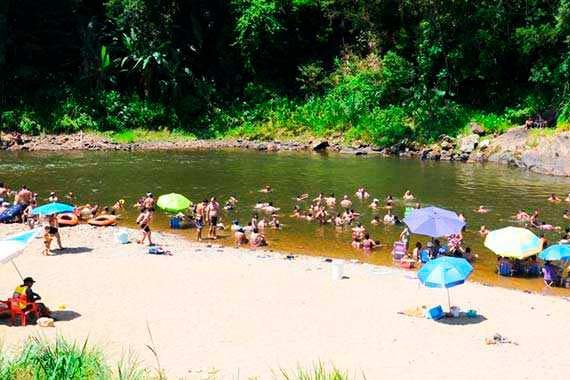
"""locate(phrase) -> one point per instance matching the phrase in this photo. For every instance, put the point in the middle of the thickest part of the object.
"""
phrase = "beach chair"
(16, 311)
(399, 251)
(435, 313)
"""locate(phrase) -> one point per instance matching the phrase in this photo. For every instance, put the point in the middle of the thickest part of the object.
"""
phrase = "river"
(104, 177)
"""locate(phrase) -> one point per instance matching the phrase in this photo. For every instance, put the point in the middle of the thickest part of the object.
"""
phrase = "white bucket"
(122, 236)
(337, 269)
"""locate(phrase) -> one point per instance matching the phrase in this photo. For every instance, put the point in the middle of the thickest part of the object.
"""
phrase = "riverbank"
(248, 313)
(540, 151)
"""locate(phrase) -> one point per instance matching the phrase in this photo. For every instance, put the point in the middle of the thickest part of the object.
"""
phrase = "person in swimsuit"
(345, 203)
(4, 192)
(376, 220)
(54, 229)
(144, 219)
(483, 231)
(257, 239)
(52, 197)
(24, 196)
(212, 215)
(47, 241)
(367, 244)
(266, 189)
(408, 196)
(240, 237)
(482, 210)
(274, 223)
(361, 193)
(553, 198)
(389, 201)
(149, 202)
(330, 201)
(566, 214)
(200, 218)
(338, 221)
(301, 197)
(375, 204)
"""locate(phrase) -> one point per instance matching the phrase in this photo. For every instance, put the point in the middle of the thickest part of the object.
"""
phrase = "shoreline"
(252, 313)
(518, 147)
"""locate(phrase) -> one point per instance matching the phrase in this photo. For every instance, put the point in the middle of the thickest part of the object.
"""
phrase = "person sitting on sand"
(483, 231)
(144, 220)
(554, 198)
(257, 239)
(376, 220)
(367, 244)
(266, 189)
(27, 299)
(47, 241)
(481, 210)
(408, 196)
(240, 237)
(345, 203)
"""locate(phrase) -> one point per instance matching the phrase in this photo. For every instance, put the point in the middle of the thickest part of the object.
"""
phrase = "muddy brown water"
(104, 177)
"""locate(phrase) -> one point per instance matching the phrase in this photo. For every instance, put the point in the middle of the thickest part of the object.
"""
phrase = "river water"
(104, 177)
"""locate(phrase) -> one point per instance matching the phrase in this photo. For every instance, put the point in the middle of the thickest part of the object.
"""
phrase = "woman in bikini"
(144, 219)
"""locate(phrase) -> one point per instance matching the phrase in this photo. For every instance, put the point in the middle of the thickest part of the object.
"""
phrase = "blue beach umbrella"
(445, 272)
(53, 208)
(14, 245)
(557, 252)
(434, 222)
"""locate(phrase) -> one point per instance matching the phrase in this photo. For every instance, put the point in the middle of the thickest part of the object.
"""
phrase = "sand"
(242, 313)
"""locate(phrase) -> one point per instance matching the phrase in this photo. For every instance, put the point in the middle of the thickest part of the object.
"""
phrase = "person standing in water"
(199, 219)
(212, 214)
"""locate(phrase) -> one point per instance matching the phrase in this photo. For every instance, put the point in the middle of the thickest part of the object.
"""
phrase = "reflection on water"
(104, 177)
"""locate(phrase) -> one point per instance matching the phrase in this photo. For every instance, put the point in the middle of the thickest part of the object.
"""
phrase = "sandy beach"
(237, 314)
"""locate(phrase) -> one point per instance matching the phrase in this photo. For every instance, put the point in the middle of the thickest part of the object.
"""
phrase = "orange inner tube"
(103, 220)
(67, 219)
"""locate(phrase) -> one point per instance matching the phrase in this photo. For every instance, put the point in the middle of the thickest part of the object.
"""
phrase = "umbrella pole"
(448, 299)
(17, 270)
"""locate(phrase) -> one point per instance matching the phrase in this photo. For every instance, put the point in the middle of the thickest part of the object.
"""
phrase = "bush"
(383, 127)
(491, 122)
(73, 117)
(23, 121)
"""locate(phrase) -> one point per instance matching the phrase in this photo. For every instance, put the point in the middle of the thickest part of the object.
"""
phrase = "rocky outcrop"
(517, 147)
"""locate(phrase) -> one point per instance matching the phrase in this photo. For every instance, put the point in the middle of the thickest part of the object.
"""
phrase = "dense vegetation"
(377, 71)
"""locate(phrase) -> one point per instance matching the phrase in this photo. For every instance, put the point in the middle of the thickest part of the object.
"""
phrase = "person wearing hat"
(28, 299)
(53, 197)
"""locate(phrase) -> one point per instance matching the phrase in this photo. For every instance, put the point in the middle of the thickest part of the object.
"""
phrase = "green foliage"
(23, 121)
(491, 122)
(383, 127)
(318, 372)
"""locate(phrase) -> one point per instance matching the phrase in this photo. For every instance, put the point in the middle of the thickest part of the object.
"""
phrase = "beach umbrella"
(53, 208)
(434, 222)
(173, 202)
(514, 242)
(14, 246)
(557, 252)
(445, 272)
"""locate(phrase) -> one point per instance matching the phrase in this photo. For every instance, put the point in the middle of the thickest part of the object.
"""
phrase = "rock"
(446, 145)
(477, 129)
(551, 156)
(320, 145)
(484, 144)
(469, 143)
(45, 322)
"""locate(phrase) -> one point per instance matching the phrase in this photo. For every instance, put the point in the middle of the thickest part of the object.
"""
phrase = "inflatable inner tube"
(103, 220)
(11, 213)
(67, 219)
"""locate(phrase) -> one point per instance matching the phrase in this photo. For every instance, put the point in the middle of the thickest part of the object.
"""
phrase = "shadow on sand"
(71, 251)
(462, 320)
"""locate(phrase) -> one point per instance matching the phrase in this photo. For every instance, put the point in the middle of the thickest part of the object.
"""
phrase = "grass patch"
(318, 372)
(138, 135)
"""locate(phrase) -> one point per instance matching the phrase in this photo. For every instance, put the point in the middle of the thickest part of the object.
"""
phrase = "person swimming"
(376, 220)
(566, 214)
(301, 197)
(483, 231)
(567, 199)
(331, 200)
(482, 210)
(522, 216)
(52, 197)
(389, 201)
(274, 222)
(408, 196)
(338, 220)
(553, 198)
(367, 243)
(266, 189)
(375, 204)
(270, 209)
(389, 217)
